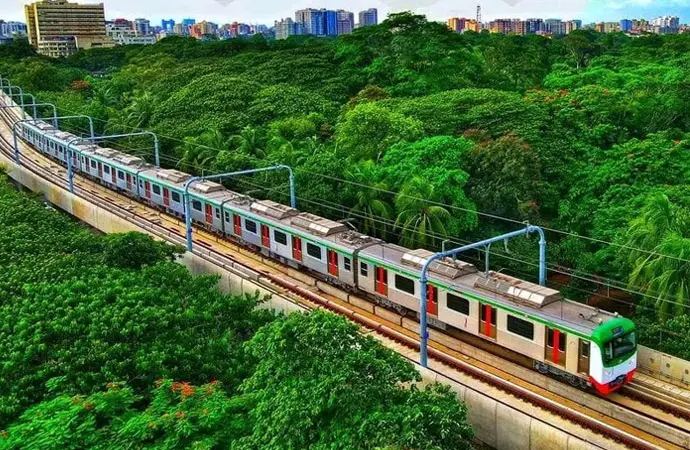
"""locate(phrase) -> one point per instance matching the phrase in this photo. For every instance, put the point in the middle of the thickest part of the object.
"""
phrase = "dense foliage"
(107, 343)
(412, 130)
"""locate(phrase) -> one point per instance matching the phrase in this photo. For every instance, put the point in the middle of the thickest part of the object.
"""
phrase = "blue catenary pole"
(14, 136)
(187, 185)
(35, 105)
(423, 331)
(70, 166)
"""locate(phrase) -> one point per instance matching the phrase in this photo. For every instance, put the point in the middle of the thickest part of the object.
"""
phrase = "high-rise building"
(188, 22)
(457, 24)
(533, 26)
(123, 34)
(626, 25)
(142, 27)
(180, 29)
(168, 25)
(313, 21)
(368, 17)
(288, 27)
(330, 22)
(346, 21)
(555, 27)
(10, 29)
(58, 28)
(502, 26)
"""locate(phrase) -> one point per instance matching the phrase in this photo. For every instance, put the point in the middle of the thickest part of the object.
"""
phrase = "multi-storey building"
(555, 27)
(288, 27)
(457, 24)
(10, 29)
(123, 34)
(167, 25)
(142, 27)
(368, 17)
(502, 26)
(58, 28)
(572, 25)
(626, 25)
(346, 22)
(180, 29)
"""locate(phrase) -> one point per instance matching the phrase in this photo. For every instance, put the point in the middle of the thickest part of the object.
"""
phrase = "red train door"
(332, 263)
(381, 280)
(556, 346)
(209, 213)
(147, 189)
(297, 248)
(113, 175)
(129, 182)
(100, 170)
(237, 222)
(431, 300)
(265, 236)
(166, 197)
(487, 321)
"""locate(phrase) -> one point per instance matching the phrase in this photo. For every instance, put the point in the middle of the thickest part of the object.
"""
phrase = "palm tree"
(658, 251)
(140, 110)
(371, 205)
(249, 142)
(418, 217)
(199, 154)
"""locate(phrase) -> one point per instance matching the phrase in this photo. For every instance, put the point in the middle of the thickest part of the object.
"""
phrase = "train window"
(347, 264)
(175, 197)
(314, 251)
(106, 169)
(217, 213)
(404, 284)
(364, 269)
(93, 164)
(561, 340)
(120, 175)
(250, 226)
(521, 327)
(196, 204)
(280, 237)
(156, 189)
(227, 216)
(458, 304)
(584, 349)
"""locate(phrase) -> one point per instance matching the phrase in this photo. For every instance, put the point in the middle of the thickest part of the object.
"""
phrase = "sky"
(267, 11)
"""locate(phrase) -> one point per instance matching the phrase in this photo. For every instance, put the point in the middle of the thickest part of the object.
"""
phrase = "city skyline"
(267, 11)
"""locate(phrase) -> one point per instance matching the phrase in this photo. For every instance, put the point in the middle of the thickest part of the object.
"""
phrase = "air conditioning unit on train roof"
(174, 176)
(105, 152)
(518, 290)
(318, 225)
(207, 187)
(355, 239)
(272, 209)
(447, 267)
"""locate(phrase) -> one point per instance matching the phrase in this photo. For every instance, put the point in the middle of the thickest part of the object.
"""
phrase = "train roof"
(524, 298)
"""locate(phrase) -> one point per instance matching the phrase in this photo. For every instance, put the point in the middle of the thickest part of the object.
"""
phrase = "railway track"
(226, 254)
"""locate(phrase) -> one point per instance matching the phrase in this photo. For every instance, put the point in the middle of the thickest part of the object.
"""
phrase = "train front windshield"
(620, 346)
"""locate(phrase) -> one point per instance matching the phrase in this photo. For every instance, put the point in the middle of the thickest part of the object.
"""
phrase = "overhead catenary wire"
(393, 193)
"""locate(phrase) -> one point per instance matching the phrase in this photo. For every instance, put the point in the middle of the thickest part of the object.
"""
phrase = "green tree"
(661, 266)
(135, 250)
(368, 130)
(372, 205)
(358, 403)
(421, 222)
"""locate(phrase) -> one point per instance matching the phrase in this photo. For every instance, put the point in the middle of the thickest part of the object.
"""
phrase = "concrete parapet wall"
(664, 366)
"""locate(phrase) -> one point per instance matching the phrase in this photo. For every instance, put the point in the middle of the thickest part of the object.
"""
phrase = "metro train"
(586, 346)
